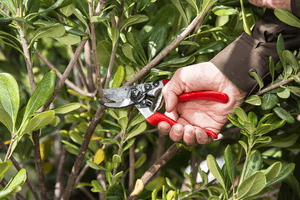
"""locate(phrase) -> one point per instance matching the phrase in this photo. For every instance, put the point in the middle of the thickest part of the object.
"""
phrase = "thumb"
(171, 99)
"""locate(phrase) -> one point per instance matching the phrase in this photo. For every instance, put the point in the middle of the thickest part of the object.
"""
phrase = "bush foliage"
(58, 142)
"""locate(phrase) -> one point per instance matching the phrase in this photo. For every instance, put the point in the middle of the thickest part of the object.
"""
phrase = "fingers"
(171, 99)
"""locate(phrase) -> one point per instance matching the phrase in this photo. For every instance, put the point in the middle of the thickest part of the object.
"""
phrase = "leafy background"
(59, 143)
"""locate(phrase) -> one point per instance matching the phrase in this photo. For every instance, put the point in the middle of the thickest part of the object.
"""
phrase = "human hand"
(194, 116)
(273, 4)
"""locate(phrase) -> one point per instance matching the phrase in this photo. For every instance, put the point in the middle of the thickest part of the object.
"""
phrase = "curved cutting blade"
(121, 104)
(117, 94)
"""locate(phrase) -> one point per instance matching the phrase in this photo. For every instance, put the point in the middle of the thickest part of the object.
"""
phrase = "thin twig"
(94, 49)
(89, 67)
(100, 6)
(113, 54)
(131, 167)
(38, 164)
(161, 55)
(59, 185)
(65, 74)
(79, 68)
(164, 159)
(18, 167)
(60, 75)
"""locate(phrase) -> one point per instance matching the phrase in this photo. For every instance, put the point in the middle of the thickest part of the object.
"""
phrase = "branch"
(94, 49)
(17, 166)
(161, 55)
(89, 67)
(60, 76)
(65, 74)
(113, 54)
(79, 67)
(79, 159)
(164, 159)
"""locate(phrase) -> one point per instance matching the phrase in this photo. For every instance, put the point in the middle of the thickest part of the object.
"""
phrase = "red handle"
(158, 117)
(201, 95)
(204, 95)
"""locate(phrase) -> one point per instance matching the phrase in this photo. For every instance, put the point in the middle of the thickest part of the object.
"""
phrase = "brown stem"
(94, 49)
(65, 74)
(113, 54)
(78, 162)
(159, 150)
(100, 6)
(59, 186)
(18, 167)
(60, 75)
(161, 55)
(38, 164)
(164, 159)
(131, 167)
(79, 68)
(89, 67)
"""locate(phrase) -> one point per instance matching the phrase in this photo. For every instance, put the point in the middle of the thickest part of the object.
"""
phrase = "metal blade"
(121, 104)
(117, 94)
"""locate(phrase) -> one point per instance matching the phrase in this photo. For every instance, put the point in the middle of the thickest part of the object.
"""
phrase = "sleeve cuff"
(238, 59)
(295, 6)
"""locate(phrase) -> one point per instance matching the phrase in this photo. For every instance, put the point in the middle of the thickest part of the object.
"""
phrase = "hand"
(273, 4)
(193, 116)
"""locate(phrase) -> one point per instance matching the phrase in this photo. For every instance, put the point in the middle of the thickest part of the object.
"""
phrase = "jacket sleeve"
(251, 53)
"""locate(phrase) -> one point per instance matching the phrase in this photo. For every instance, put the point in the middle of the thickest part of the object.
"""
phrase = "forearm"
(252, 52)
(273, 4)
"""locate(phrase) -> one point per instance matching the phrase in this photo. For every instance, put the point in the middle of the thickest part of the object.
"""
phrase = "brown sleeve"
(251, 53)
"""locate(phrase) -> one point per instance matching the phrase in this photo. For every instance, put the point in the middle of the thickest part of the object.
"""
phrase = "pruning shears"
(148, 99)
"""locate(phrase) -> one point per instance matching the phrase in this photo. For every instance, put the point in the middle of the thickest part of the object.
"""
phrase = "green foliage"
(129, 35)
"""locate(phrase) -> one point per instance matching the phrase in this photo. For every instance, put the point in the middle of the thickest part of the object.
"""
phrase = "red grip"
(204, 95)
(158, 117)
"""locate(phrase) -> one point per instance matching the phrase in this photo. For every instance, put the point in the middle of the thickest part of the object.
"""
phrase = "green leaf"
(215, 170)
(134, 41)
(93, 165)
(284, 94)
(104, 49)
(130, 143)
(252, 185)
(57, 4)
(285, 172)
(117, 176)
(269, 101)
(244, 145)
(272, 68)
(222, 10)
(264, 139)
(64, 109)
(134, 19)
(9, 192)
(4, 166)
(52, 30)
(280, 47)
(193, 3)
(263, 129)
(128, 51)
(38, 121)
(294, 89)
(290, 58)
(137, 119)
(241, 114)
(253, 100)
(119, 77)
(258, 79)
(137, 130)
(253, 118)
(41, 94)
(97, 187)
(230, 164)
(254, 163)
(140, 161)
(9, 98)
(156, 42)
(284, 142)
(114, 34)
(155, 184)
(272, 171)
(76, 137)
(5, 119)
(116, 159)
(179, 7)
(283, 114)
(10, 5)
(203, 175)
(69, 39)
(287, 17)
(18, 179)
(234, 120)
(249, 126)
(212, 47)
(110, 141)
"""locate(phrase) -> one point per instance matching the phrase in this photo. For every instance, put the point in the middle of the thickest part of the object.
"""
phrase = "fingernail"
(177, 132)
